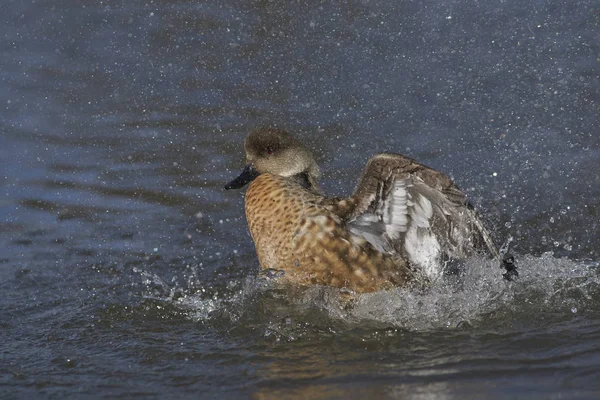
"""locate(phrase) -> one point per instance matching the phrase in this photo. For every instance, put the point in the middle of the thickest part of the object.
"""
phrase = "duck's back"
(295, 231)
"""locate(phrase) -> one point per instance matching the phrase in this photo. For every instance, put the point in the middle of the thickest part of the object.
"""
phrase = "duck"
(400, 227)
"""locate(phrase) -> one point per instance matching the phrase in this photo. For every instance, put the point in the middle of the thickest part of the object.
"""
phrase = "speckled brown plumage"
(296, 231)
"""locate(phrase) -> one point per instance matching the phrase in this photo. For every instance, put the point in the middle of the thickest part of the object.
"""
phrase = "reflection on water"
(126, 269)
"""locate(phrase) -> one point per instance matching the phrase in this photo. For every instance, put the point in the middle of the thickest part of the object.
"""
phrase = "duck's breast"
(274, 210)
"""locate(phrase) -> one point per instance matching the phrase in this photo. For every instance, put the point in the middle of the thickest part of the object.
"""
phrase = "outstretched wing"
(404, 207)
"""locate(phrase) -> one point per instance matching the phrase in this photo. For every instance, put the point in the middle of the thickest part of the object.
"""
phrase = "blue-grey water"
(127, 271)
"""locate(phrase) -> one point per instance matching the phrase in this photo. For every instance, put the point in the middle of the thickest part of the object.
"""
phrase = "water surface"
(127, 271)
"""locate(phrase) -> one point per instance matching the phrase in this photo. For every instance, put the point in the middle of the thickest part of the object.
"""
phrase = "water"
(126, 270)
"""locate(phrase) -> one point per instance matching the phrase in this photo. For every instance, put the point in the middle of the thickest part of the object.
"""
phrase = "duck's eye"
(269, 150)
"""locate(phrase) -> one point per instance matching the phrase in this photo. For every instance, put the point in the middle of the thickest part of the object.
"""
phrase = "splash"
(545, 284)
(479, 295)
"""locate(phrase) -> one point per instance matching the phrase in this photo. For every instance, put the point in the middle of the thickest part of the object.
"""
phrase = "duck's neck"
(307, 181)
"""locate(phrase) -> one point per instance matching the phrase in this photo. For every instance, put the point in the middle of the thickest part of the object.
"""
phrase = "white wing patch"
(400, 217)
(421, 244)
(412, 216)
(370, 227)
(395, 209)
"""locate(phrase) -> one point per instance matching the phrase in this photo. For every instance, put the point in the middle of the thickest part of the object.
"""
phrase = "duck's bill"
(247, 176)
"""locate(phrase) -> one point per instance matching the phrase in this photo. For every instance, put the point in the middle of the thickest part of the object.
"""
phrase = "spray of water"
(479, 295)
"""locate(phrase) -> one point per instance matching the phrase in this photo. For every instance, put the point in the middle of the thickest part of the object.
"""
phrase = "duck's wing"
(405, 207)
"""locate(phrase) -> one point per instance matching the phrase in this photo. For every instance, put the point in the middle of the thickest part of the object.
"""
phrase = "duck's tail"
(508, 261)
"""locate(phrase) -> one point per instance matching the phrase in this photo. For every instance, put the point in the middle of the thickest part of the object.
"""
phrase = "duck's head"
(274, 151)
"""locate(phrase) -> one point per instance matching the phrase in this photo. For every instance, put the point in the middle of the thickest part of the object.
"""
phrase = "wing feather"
(401, 206)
